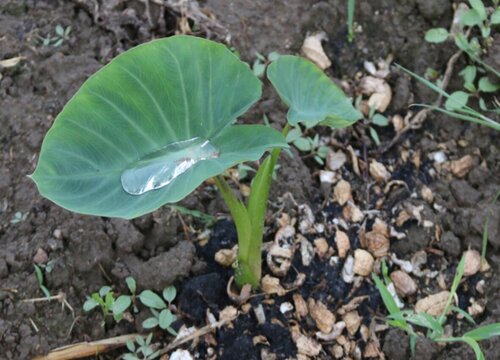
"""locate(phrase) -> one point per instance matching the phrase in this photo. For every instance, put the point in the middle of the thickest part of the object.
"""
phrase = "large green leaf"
(311, 96)
(127, 116)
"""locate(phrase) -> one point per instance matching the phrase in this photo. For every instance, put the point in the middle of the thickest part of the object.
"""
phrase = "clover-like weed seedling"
(162, 315)
(144, 350)
(159, 120)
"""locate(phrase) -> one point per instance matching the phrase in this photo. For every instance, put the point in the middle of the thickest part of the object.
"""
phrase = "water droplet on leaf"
(161, 167)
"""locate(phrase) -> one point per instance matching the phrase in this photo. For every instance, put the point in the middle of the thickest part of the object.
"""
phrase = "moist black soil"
(159, 249)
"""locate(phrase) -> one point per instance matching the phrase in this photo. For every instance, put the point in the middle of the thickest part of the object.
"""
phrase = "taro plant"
(159, 120)
(410, 321)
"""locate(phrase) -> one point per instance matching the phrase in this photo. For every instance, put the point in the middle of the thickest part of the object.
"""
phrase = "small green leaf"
(471, 18)
(437, 35)
(58, 43)
(151, 300)
(258, 68)
(380, 120)
(169, 293)
(311, 96)
(273, 56)
(130, 357)
(475, 346)
(90, 304)
(323, 151)
(121, 304)
(59, 30)
(104, 291)
(45, 291)
(130, 345)
(485, 31)
(469, 73)
(39, 275)
(166, 319)
(485, 85)
(140, 340)
(462, 42)
(484, 332)
(464, 313)
(150, 323)
(109, 301)
(149, 338)
(495, 17)
(479, 7)
(457, 100)
(374, 136)
(303, 144)
(319, 160)
(293, 135)
(131, 284)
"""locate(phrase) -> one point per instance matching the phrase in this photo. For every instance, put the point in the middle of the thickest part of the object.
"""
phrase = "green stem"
(250, 219)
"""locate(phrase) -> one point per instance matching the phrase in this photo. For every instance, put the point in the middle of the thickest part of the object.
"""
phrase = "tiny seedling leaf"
(303, 144)
(104, 291)
(374, 135)
(130, 345)
(169, 293)
(59, 30)
(484, 332)
(471, 18)
(479, 7)
(464, 313)
(109, 300)
(45, 291)
(437, 35)
(39, 275)
(90, 304)
(130, 357)
(380, 120)
(495, 17)
(469, 73)
(485, 85)
(140, 340)
(150, 323)
(273, 56)
(293, 135)
(131, 284)
(456, 101)
(121, 304)
(149, 338)
(151, 300)
(166, 319)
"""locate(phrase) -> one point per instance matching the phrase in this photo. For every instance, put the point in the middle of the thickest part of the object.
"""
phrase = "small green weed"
(350, 19)
(111, 306)
(144, 350)
(162, 316)
(304, 143)
(19, 217)
(471, 33)
(40, 278)
(261, 62)
(407, 319)
(61, 35)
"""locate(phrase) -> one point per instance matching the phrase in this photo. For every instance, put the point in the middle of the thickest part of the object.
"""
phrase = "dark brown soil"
(88, 252)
